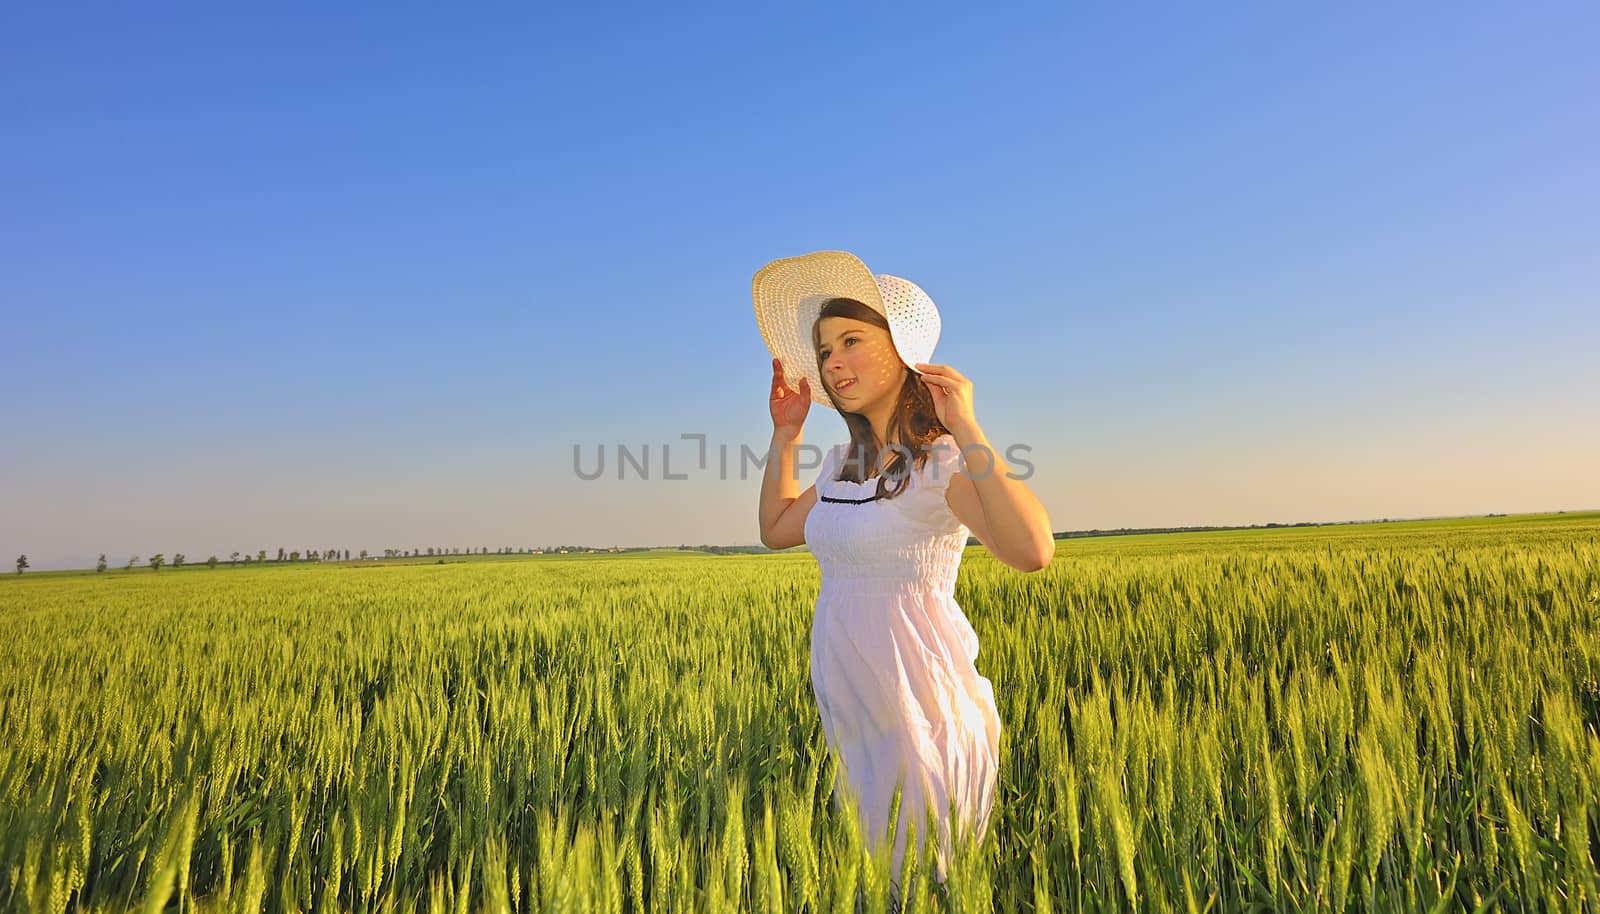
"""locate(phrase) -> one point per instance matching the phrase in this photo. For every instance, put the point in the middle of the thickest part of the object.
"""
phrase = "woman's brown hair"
(914, 423)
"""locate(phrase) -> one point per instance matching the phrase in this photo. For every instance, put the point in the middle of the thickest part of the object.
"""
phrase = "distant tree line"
(287, 556)
(290, 556)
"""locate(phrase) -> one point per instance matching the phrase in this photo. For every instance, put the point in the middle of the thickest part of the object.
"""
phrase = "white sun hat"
(789, 293)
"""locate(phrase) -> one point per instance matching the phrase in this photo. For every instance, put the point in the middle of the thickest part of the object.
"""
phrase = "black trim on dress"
(850, 501)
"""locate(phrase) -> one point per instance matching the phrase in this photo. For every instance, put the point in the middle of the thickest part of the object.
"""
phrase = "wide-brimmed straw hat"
(789, 293)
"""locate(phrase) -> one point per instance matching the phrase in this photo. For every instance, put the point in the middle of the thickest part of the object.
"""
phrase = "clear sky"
(363, 280)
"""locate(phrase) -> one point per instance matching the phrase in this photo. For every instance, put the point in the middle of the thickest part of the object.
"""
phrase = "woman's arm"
(1013, 523)
(1001, 512)
(783, 512)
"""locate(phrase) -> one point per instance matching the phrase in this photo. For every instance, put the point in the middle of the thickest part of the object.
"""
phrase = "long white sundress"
(892, 653)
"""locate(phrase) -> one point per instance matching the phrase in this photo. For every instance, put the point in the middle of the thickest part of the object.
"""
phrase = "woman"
(892, 654)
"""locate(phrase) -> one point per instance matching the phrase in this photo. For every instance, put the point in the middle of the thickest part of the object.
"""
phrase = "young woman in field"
(892, 654)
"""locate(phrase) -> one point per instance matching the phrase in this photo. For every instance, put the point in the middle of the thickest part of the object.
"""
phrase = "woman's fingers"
(778, 383)
(944, 371)
(781, 387)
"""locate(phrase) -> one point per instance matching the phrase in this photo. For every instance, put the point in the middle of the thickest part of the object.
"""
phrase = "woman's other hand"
(952, 395)
(789, 406)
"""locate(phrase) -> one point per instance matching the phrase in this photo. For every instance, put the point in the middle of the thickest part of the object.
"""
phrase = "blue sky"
(286, 278)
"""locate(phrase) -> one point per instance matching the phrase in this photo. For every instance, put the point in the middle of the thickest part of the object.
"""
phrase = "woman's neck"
(878, 417)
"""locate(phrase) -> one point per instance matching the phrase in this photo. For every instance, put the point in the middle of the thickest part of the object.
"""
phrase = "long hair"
(913, 424)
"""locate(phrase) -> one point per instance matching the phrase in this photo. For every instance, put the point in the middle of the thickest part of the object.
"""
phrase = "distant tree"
(101, 565)
(363, 554)
(430, 550)
(247, 559)
(22, 562)
(177, 560)
(347, 554)
(234, 559)
(133, 560)
(280, 553)
(212, 563)
(294, 556)
(156, 561)
(261, 556)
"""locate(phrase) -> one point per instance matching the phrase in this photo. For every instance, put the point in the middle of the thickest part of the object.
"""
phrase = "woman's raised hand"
(951, 392)
(789, 406)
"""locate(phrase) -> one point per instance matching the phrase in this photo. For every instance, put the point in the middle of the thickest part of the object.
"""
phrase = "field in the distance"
(1393, 717)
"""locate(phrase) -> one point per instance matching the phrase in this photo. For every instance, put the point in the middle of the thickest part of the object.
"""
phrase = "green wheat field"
(1377, 717)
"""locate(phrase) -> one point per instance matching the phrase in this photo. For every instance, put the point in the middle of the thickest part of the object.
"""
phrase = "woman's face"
(862, 358)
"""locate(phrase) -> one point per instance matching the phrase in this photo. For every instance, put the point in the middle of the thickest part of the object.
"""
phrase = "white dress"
(892, 653)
